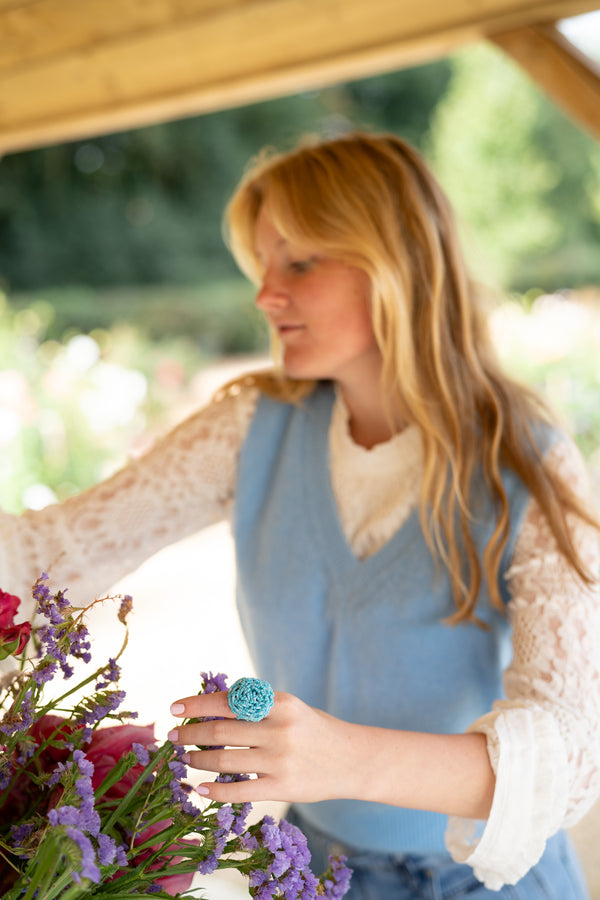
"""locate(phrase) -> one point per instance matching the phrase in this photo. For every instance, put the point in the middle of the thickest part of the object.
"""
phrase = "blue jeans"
(378, 876)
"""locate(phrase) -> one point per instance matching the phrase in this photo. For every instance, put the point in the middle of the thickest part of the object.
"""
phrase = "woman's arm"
(90, 541)
(544, 739)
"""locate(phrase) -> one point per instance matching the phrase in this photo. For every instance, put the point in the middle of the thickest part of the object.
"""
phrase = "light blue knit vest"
(361, 639)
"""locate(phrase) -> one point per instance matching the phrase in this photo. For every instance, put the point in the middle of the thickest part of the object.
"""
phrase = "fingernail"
(173, 735)
(200, 789)
(177, 709)
(185, 758)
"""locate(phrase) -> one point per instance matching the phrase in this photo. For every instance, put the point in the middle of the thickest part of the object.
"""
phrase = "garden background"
(121, 311)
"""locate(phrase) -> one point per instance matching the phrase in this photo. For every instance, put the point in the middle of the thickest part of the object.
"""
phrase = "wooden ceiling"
(74, 68)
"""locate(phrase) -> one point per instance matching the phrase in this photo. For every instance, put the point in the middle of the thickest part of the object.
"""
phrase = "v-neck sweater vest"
(362, 639)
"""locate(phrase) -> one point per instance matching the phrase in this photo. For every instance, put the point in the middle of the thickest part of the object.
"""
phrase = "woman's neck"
(370, 420)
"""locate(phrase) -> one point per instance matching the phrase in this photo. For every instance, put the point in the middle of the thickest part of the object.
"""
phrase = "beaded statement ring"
(250, 699)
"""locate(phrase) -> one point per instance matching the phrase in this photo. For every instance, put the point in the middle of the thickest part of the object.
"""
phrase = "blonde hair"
(370, 200)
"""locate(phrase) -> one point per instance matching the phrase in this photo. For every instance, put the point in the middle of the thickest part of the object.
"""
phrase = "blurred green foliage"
(145, 206)
(219, 317)
(525, 181)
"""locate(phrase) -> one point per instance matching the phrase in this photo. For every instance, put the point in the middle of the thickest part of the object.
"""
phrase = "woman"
(406, 519)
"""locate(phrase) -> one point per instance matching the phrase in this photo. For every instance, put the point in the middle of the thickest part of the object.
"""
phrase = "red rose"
(9, 604)
(13, 639)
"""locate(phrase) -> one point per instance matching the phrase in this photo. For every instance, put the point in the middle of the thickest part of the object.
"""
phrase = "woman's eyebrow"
(280, 242)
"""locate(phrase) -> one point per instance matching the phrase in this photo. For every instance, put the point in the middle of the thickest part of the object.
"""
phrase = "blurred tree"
(145, 206)
(522, 177)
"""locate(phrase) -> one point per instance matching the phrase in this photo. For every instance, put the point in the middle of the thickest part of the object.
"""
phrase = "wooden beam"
(570, 78)
(73, 68)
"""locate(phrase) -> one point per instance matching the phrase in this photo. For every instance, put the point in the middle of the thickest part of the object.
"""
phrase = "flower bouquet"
(91, 810)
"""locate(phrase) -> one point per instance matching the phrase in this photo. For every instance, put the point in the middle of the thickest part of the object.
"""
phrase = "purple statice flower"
(279, 864)
(6, 773)
(107, 850)
(42, 595)
(83, 817)
(55, 777)
(208, 865)
(86, 766)
(180, 792)
(89, 869)
(107, 702)
(239, 826)
(339, 883)
(271, 834)
(249, 842)
(61, 600)
(121, 857)
(294, 842)
(212, 683)
(20, 833)
(291, 884)
(27, 751)
(267, 890)
(45, 672)
(79, 643)
(111, 673)
(142, 755)
(64, 815)
(22, 720)
(310, 888)
(225, 817)
(154, 889)
(257, 877)
(178, 768)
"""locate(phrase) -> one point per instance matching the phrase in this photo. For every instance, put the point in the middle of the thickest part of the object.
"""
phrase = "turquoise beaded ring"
(250, 699)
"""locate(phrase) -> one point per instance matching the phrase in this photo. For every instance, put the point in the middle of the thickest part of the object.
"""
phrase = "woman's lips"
(285, 330)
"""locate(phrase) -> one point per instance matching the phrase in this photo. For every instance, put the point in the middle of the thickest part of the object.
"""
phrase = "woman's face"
(319, 308)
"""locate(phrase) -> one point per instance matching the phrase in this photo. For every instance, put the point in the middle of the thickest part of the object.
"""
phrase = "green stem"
(46, 862)
(123, 805)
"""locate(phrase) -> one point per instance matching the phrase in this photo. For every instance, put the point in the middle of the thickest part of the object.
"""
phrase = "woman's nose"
(270, 295)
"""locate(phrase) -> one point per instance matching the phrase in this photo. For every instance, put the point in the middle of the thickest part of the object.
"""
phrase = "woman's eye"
(300, 265)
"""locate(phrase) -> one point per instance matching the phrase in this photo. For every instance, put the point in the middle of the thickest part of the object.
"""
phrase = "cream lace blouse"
(543, 740)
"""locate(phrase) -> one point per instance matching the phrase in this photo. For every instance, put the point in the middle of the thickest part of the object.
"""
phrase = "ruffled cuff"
(529, 758)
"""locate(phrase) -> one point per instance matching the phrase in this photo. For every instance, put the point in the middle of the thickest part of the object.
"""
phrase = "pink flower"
(107, 747)
(9, 604)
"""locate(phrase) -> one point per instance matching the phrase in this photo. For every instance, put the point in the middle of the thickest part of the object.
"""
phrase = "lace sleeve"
(89, 542)
(544, 739)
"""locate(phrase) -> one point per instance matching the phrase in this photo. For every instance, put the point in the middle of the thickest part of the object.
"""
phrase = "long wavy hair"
(370, 200)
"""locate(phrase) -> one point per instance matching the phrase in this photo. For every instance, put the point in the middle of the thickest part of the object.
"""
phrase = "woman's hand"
(299, 754)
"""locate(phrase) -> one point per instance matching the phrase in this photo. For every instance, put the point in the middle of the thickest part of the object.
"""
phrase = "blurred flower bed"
(73, 409)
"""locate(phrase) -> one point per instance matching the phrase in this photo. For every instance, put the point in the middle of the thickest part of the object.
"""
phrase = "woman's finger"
(252, 791)
(202, 705)
(216, 733)
(232, 762)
